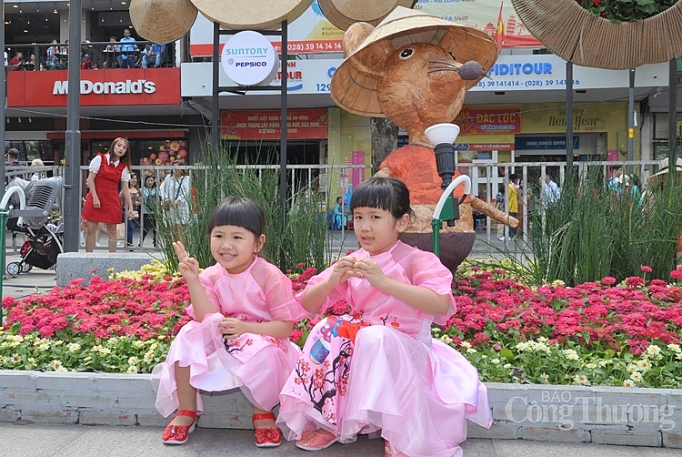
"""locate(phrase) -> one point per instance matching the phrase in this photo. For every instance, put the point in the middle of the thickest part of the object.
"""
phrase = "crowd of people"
(123, 53)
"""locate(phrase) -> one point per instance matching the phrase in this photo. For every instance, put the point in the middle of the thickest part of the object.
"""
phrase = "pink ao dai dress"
(257, 364)
(393, 378)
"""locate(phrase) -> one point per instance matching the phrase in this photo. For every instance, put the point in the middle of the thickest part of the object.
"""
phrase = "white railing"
(485, 178)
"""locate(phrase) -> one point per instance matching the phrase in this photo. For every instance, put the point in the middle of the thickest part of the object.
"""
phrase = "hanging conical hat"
(252, 15)
(571, 32)
(354, 84)
(162, 21)
(664, 171)
(343, 13)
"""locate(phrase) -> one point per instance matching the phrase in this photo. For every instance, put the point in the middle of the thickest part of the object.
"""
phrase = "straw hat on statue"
(253, 15)
(414, 61)
(664, 171)
(162, 21)
(344, 13)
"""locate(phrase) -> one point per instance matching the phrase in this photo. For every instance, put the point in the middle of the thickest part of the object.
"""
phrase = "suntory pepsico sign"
(249, 59)
(156, 86)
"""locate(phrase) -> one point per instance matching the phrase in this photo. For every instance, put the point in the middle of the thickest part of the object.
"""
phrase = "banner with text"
(488, 120)
(265, 124)
(484, 14)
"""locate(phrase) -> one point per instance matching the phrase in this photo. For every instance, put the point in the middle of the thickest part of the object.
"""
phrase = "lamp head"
(442, 133)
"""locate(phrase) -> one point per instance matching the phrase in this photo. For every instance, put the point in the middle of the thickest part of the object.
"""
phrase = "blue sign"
(534, 143)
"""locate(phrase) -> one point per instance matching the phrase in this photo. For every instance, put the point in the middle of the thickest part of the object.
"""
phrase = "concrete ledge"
(604, 415)
(72, 265)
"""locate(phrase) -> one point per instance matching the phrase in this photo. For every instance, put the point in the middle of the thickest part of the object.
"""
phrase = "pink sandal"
(179, 434)
(315, 440)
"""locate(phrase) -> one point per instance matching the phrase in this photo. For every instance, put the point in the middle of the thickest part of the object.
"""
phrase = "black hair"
(240, 212)
(616, 167)
(14, 153)
(513, 176)
(390, 194)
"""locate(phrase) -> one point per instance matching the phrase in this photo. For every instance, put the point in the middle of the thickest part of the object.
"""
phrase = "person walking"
(136, 198)
(150, 205)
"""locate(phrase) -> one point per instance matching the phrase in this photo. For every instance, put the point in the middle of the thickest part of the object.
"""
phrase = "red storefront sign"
(265, 124)
(488, 120)
(138, 86)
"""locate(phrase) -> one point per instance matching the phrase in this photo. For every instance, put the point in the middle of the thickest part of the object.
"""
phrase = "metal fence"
(333, 180)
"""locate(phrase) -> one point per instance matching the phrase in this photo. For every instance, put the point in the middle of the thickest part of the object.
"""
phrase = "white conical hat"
(344, 13)
(252, 15)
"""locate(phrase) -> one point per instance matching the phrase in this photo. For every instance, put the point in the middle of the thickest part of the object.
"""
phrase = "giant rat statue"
(415, 69)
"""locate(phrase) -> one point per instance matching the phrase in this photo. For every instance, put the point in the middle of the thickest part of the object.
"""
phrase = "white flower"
(105, 351)
(679, 356)
(674, 348)
(628, 383)
(465, 344)
(591, 366)
(133, 361)
(16, 358)
(61, 369)
(632, 368)
(636, 376)
(644, 365)
(44, 347)
(571, 354)
(73, 347)
(544, 377)
(652, 351)
(581, 379)
(495, 361)
(57, 364)
(507, 365)
(149, 357)
(132, 369)
(471, 351)
(447, 340)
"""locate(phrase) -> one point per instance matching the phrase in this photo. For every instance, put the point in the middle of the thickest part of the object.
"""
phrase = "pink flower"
(646, 269)
(676, 274)
(634, 281)
(608, 281)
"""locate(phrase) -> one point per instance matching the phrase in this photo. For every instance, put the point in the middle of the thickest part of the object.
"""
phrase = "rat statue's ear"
(354, 36)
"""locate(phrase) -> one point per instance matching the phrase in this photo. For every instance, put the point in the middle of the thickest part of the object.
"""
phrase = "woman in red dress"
(102, 203)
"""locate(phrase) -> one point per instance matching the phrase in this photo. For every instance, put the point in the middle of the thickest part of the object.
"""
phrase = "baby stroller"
(39, 221)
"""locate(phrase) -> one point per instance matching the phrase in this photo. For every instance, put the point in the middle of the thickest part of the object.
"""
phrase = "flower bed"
(598, 333)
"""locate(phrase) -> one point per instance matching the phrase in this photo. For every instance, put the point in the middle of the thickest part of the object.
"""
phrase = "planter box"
(604, 415)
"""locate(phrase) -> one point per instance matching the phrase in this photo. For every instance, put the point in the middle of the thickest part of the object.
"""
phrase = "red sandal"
(179, 434)
(266, 437)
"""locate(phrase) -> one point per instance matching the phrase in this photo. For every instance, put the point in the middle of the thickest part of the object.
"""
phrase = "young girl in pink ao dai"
(243, 310)
(377, 369)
